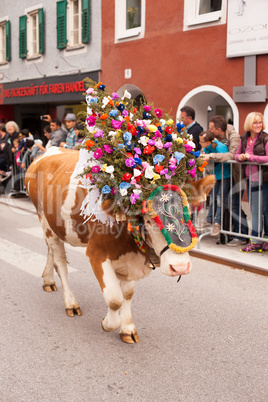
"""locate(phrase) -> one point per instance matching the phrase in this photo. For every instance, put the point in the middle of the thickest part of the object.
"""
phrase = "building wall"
(168, 62)
(54, 61)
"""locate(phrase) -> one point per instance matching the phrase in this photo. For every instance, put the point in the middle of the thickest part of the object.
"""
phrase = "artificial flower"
(149, 172)
(158, 168)
(104, 116)
(126, 177)
(95, 169)
(179, 140)
(143, 140)
(148, 150)
(106, 189)
(147, 108)
(107, 149)
(169, 122)
(91, 120)
(159, 144)
(98, 133)
(126, 95)
(130, 162)
(158, 158)
(116, 124)
(158, 113)
(89, 143)
(113, 113)
(152, 128)
(179, 156)
(114, 95)
(191, 162)
(123, 191)
(98, 153)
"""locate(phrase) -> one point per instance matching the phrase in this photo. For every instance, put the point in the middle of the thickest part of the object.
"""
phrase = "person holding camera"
(71, 139)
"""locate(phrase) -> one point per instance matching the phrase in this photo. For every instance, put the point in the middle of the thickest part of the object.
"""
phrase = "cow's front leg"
(113, 296)
(128, 332)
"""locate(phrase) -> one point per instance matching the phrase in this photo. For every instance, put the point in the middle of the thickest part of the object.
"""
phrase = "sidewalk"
(206, 248)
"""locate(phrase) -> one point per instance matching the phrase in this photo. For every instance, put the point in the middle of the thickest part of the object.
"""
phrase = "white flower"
(105, 101)
(109, 169)
(174, 136)
(149, 172)
(123, 191)
(136, 191)
(112, 134)
(170, 227)
(191, 143)
(165, 197)
(136, 172)
(143, 140)
(126, 95)
(162, 122)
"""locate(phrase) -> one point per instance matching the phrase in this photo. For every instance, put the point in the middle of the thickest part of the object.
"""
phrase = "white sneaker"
(215, 230)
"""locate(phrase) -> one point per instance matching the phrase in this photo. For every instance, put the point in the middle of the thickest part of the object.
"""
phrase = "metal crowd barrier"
(240, 188)
(16, 183)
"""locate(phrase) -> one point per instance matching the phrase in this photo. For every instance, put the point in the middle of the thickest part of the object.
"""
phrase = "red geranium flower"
(169, 130)
(126, 177)
(158, 168)
(148, 149)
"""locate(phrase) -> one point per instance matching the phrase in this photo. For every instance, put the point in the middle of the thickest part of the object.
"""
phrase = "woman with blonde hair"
(253, 147)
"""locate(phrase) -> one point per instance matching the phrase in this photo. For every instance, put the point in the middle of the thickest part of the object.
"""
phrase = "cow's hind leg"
(57, 259)
(128, 332)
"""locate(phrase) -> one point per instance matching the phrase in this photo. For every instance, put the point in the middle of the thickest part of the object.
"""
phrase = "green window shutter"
(85, 21)
(41, 30)
(23, 37)
(61, 24)
(8, 41)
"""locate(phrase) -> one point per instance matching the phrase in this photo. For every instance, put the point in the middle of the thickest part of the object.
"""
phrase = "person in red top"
(253, 147)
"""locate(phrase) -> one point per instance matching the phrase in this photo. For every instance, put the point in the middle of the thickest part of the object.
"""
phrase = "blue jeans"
(219, 201)
(255, 208)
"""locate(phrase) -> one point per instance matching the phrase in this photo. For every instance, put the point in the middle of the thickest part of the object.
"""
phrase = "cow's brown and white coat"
(53, 187)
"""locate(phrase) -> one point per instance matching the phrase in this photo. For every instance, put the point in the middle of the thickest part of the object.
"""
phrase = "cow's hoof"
(73, 311)
(50, 288)
(129, 338)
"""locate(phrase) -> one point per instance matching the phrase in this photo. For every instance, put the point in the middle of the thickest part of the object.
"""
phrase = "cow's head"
(168, 225)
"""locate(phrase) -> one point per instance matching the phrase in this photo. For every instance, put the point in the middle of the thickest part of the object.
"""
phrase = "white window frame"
(30, 37)
(30, 12)
(3, 41)
(121, 33)
(192, 19)
(70, 25)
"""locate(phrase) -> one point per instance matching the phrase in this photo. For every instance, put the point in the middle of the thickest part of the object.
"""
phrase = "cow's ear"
(200, 189)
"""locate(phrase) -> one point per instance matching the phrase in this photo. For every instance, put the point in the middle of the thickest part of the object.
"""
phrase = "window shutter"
(61, 24)
(85, 21)
(23, 37)
(41, 30)
(8, 41)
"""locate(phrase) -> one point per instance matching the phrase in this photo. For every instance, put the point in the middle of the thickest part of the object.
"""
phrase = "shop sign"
(52, 89)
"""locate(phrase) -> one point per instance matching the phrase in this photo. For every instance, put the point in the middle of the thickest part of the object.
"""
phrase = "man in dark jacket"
(192, 127)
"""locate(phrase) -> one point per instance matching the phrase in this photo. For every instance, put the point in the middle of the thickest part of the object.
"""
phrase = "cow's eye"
(148, 222)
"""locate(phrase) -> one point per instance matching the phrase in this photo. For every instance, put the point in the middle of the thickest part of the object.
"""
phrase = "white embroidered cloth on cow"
(91, 205)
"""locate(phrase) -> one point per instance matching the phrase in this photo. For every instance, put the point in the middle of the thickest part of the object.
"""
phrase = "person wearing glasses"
(253, 147)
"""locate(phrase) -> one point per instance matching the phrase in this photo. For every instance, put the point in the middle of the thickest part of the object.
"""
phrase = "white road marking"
(23, 258)
(38, 232)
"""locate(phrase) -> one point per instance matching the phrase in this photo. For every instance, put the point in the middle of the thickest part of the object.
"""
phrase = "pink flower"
(159, 144)
(147, 108)
(191, 162)
(130, 162)
(98, 153)
(157, 134)
(95, 169)
(125, 113)
(191, 172)
(91, 120)
(99, 133)
(107, 149)
(173, 161)
(116, 124)
(158, 113)
(151, 142)
(188, 148)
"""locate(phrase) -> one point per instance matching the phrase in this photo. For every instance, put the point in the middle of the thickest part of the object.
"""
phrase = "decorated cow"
(123, 196)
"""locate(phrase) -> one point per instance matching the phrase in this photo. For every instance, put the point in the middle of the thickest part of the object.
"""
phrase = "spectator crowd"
(219, 144)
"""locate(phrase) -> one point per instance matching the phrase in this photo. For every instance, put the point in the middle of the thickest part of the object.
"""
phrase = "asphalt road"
(202, 339)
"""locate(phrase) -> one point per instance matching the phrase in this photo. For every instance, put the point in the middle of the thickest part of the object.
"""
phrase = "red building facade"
(175, 59)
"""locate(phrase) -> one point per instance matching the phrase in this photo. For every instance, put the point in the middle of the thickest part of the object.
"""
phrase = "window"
(200, 13)
(73, 23)
(31, 34)
(129, 19)
(5, 49)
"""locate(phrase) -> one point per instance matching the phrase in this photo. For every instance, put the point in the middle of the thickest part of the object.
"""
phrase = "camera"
(42, 117)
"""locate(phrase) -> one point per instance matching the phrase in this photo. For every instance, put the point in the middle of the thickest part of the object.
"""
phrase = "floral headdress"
(133, 150)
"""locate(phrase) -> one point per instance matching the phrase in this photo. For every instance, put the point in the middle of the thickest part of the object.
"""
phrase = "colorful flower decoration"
(135, 150)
